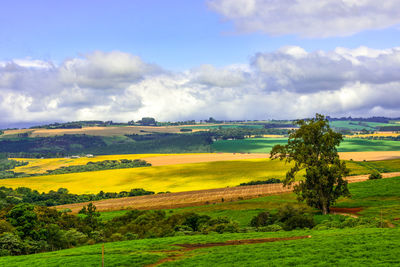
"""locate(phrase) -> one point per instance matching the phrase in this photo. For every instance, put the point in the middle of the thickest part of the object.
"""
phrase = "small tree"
(91, 218)
(375, 175)
(313, 147)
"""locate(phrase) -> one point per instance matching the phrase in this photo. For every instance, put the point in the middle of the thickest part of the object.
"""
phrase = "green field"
(373, 196)
(358, 126)
(264, 145)
(345, 247)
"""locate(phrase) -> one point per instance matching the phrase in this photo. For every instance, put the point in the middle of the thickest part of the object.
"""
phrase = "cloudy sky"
(179, 59)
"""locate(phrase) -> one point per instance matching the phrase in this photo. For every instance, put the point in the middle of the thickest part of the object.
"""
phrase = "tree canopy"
(313, 147)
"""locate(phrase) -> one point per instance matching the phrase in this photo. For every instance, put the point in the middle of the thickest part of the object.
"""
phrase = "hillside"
(367, 247)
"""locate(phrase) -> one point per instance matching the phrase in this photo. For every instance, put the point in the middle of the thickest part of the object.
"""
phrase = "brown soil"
(351, 212)
(346, 210)
(370, 155)
(197, 198)
(178, 254)
(197, 158)
(239, 242)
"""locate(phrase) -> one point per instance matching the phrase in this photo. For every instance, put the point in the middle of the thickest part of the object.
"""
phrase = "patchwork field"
(377, 134)
(174, 178)
(37, 166)
(358, 126)
(263, 145)
(99, 131)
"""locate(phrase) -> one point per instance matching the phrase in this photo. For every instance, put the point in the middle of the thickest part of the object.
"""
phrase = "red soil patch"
(346, 210)
(240, 242)
(188, 247)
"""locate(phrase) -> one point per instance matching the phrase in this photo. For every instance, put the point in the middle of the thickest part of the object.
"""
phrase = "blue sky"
(213, 56)
(177, 34)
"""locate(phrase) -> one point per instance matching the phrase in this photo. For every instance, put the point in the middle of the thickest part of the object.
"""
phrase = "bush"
(262, 219)
(375, 175)
(299, 222)
(271, 228)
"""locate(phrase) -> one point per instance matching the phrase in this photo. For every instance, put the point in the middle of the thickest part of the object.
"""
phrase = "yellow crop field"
(36, 166)
(378, 134)
(174, 178)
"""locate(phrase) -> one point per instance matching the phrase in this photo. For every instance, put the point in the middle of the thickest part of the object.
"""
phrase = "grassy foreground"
(345, 247)
(173, 178)
(264, 145)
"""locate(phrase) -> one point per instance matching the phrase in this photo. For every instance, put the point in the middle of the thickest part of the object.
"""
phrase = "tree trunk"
(325, 209)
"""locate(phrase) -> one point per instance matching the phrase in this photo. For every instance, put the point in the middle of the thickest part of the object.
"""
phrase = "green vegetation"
(376, 198)
(6, 165)
(27, 229)
(371, 196)
(60, 146)
(101, 165)
(264, 145)
(9, 196)
(253, 145)
(268, 181)
(243, 132)
(344, 247)
(359, 125)
(392, 165)
(313, 147)
(375, 175)
(390, 128)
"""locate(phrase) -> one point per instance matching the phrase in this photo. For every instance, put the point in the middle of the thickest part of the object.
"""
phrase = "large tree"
(313, 147)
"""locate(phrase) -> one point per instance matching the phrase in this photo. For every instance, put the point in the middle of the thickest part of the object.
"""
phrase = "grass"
(345, 247)
(372, 196)
(353, 125)
(376, 197)
(264, 145)
(381, 166)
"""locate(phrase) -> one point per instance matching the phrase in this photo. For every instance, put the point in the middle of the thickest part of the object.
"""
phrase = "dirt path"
(197, 198)
(350, 212)
(180, 253)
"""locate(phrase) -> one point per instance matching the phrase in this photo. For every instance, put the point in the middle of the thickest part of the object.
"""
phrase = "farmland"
(37, 166)
(369, 247)
(97, 131)
(260, 145)
(174, 178)
(201, 197)
(358, 125)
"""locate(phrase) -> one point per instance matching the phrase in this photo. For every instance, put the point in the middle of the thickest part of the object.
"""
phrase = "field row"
(197, 198)
(178, 177)
(36, 166)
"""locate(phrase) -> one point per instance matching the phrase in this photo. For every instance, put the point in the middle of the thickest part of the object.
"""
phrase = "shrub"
(270, 228)
(299, 222)
(262, 219)
(375, 175)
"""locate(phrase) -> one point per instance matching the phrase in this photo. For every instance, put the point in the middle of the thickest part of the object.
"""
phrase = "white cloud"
(287, 83)
(308, 18)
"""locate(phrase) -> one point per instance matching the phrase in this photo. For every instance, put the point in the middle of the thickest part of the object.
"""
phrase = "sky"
(179, 60)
